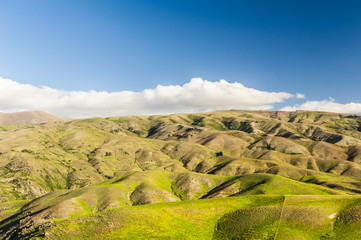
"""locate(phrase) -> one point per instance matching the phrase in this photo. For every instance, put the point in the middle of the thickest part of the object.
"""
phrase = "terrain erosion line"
(279, 220)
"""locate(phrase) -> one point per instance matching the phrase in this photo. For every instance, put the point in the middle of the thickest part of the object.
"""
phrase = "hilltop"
(29, 117)
(60, 178)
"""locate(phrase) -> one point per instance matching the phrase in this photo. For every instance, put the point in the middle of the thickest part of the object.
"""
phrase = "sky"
(89, 58)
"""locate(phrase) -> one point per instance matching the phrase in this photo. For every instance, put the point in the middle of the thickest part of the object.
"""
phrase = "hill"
(63, 177)
(28, 117)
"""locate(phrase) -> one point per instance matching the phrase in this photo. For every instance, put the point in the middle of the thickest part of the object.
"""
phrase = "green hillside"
(221, 175)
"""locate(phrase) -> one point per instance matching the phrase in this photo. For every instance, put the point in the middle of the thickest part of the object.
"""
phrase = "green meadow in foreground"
(245, 217)
(217, 175)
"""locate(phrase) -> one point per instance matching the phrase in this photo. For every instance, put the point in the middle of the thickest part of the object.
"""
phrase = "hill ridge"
(29, 117)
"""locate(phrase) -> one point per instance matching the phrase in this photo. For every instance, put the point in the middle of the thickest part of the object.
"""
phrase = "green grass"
(9, 208)
(87, 210)
(246, 217)
(179, 220)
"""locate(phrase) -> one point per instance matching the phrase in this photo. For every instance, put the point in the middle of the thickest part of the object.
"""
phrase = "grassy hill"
(157, 177)
(28, 117)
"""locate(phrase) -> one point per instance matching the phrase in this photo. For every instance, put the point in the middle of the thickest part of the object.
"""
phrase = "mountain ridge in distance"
(29, 117)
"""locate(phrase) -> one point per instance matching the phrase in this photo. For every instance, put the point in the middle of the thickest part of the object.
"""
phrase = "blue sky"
(308, 47)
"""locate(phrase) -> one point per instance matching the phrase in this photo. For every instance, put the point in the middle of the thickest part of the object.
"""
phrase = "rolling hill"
(294, 175)
(28, 117)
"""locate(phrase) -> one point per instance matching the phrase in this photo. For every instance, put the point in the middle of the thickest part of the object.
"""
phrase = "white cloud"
(300, 95)
(326, 106)
(197, 95)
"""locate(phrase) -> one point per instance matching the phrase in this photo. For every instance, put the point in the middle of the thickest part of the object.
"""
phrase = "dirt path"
(279, 220)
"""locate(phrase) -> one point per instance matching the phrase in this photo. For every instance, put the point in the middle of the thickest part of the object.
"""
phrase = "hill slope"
(84, 168)
(28, 117)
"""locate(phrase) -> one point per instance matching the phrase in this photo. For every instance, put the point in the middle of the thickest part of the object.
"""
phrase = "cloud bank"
(194, 96)
(197, 95)
(326, 106)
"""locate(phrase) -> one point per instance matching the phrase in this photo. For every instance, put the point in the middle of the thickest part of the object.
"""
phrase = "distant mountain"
(28, 117)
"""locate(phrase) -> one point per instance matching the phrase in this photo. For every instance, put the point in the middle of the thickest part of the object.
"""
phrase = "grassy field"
(246, 217)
